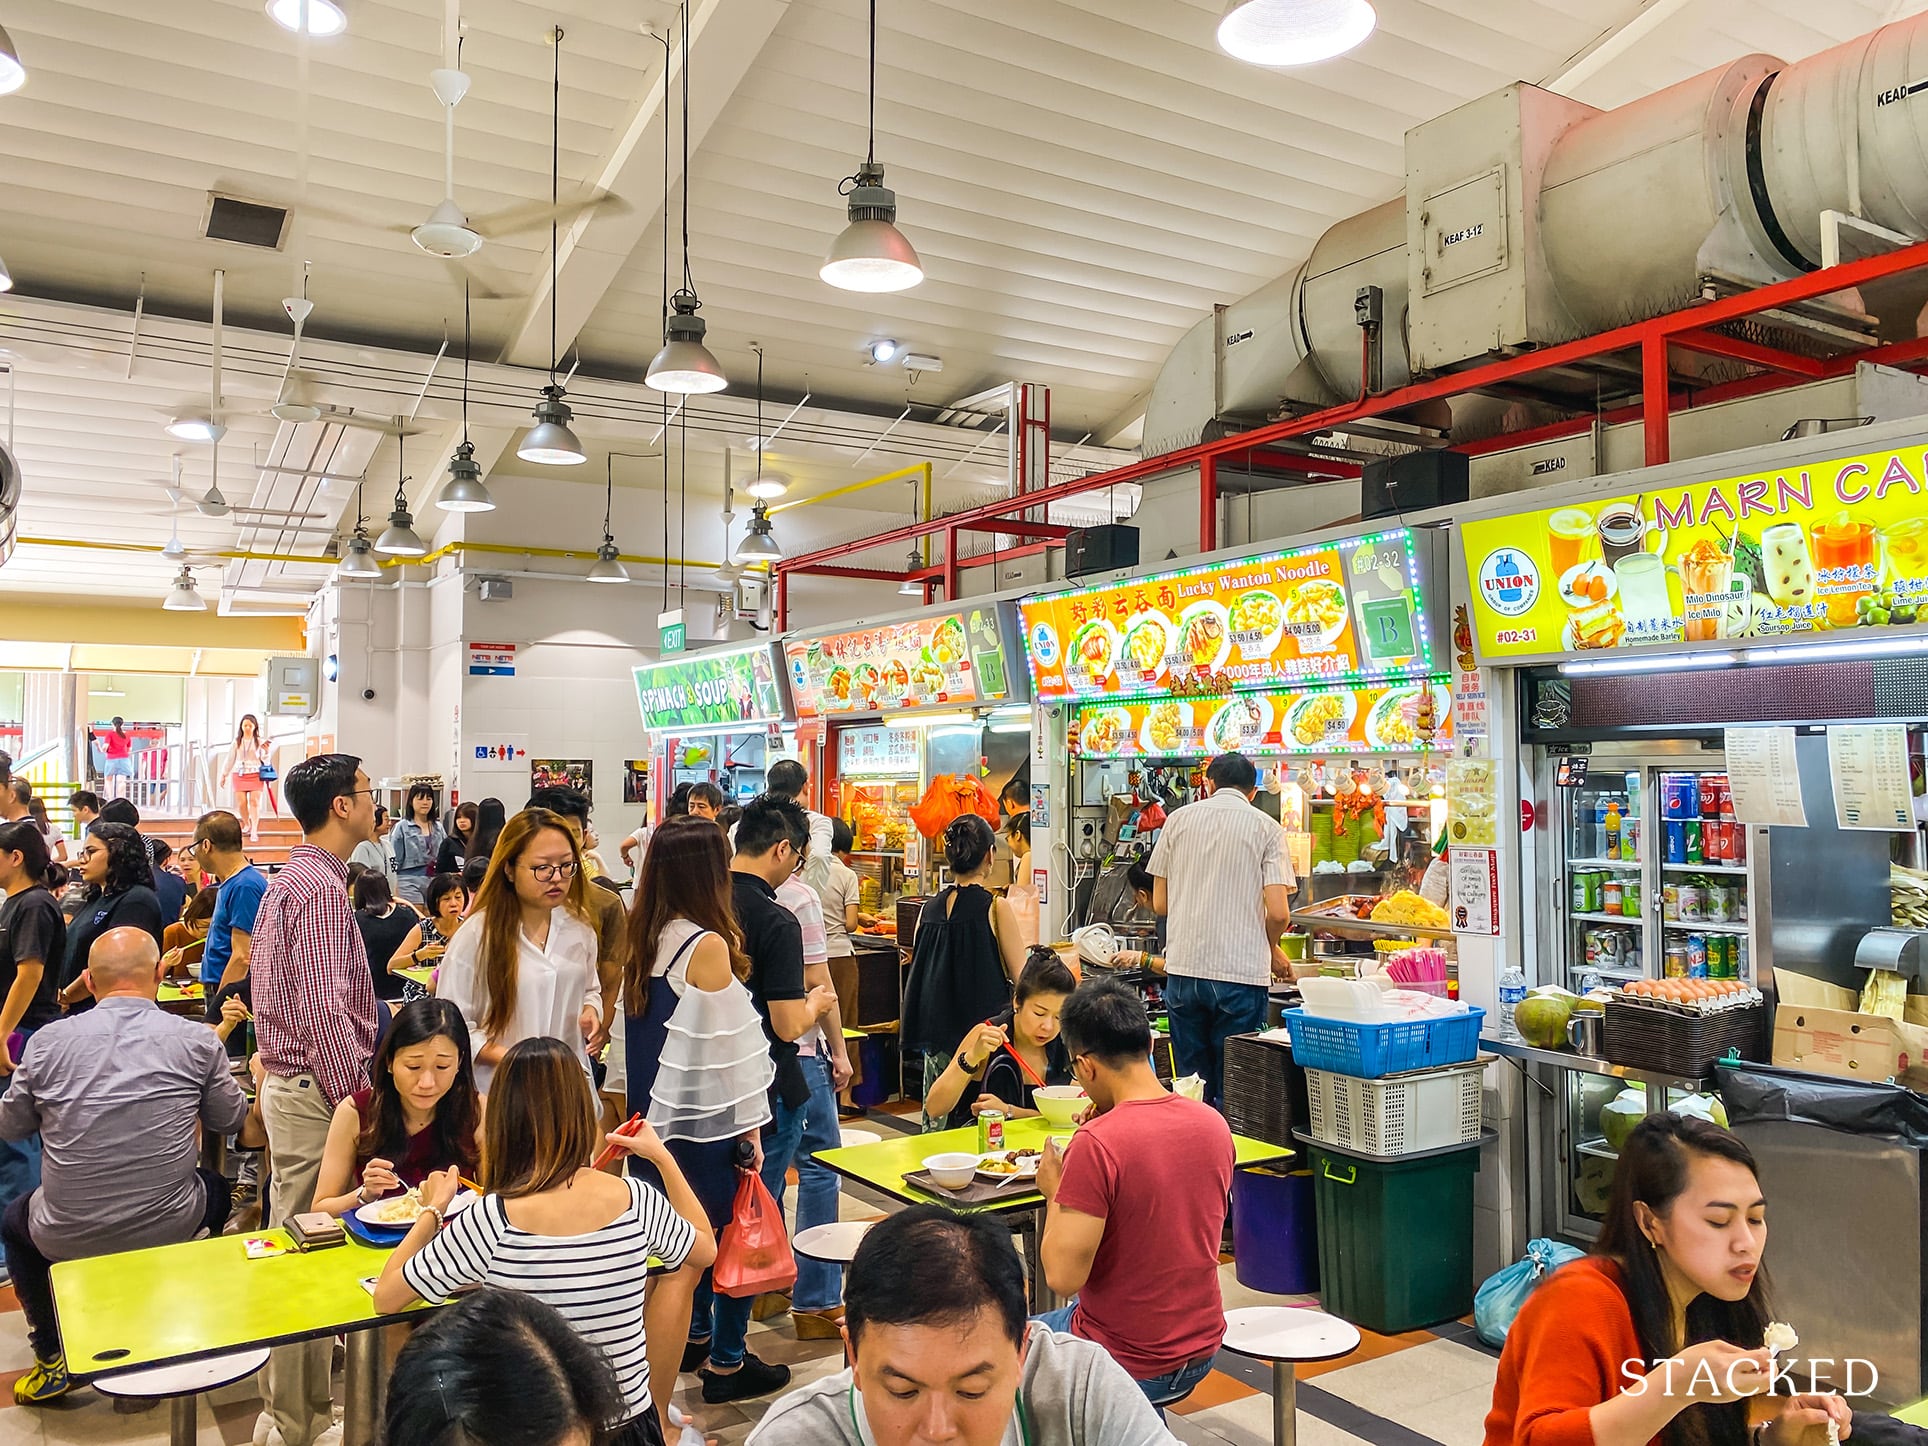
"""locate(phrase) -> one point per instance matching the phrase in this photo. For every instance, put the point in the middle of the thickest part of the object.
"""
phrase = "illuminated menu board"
(1396, 718)
(1336, 610)
(708, 690)
(953, 659)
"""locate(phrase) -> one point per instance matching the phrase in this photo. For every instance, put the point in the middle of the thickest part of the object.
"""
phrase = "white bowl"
(952, 1171)
(1060, 1104)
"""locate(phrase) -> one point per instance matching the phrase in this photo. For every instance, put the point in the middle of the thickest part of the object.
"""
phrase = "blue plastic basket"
(1349, 1046)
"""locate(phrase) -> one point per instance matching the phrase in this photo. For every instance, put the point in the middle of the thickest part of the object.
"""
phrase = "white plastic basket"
(1396, 1115)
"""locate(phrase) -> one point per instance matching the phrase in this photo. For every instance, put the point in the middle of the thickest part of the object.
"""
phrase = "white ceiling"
(1083, 179)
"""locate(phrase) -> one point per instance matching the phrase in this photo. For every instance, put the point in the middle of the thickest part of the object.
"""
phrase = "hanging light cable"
(685, 364)
(764, 486)
(360, 561)
(871, 254)
(913, 586)
(551, 442)
(608, 566)
(399, 538)
(464, 491)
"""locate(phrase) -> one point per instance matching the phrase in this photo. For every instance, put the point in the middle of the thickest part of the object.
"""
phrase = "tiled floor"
(1423, 1388)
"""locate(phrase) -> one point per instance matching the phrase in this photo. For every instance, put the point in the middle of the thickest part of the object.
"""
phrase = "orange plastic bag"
(934, 811)
(754, 1254)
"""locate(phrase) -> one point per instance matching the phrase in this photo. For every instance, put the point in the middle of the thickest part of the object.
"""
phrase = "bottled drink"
(1512, 992)
(1611, 830)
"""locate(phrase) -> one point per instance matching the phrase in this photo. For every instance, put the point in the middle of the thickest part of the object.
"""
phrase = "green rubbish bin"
(1395, 1235)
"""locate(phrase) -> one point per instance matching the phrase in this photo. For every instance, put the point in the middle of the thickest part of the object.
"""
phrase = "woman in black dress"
(120, 895)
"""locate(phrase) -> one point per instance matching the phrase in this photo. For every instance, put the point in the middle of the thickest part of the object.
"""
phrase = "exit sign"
(672, 633)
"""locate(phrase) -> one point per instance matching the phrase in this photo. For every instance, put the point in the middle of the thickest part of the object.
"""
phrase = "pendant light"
(309, 17)
(551, 442)
(464, 492)
(399, 538)
(182, 598)
(871, 254)
(764, 486)
(13, 74)
(757, 544)
(685, 365)
(360, 561)
(912, 586)
(6, 275)
(1294, 32)
(608, 566)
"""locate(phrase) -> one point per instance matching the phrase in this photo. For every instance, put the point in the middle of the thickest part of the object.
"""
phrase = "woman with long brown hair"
(245, 758)
(553, 1227)
(697, 1051)
(1657, 1338)
(523, 965)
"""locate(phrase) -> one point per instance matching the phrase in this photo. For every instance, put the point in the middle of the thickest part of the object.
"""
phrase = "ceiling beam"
(726, 36)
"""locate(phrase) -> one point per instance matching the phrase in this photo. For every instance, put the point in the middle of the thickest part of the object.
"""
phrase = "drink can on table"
(990, 1131)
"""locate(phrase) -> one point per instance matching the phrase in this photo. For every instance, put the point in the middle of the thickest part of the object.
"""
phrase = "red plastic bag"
(754, 1254)
(934, 811)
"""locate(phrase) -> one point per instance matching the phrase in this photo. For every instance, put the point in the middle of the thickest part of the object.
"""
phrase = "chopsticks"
(1022, 1064)
(608, 1155)
(467, 1184)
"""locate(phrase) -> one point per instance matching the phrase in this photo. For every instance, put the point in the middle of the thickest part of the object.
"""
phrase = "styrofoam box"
(1396, 1114)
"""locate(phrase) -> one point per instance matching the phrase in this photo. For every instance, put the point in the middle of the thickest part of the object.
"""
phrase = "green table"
(176, 999)
(178, 1303)
(883, 1166)
(422, 974)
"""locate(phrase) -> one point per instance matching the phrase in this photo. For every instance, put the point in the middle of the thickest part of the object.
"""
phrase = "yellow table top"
(882, 1166)
(422, 974)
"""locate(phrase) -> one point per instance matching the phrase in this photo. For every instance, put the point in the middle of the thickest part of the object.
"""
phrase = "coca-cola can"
(1710, 795)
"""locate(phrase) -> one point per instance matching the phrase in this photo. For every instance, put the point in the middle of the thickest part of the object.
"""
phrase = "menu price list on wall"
(954, 659)
(1825, 547)
(877, 752)
(1331, 611)
(1399, 718)
(1868, 765)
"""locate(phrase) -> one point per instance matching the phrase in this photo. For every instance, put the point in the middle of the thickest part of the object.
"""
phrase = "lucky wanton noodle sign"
(1826, 546)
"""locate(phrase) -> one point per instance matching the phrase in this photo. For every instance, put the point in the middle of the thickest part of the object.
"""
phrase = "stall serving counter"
(1719, 673)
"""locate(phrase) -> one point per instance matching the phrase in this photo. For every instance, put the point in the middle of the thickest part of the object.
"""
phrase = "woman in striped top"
(569, 1235)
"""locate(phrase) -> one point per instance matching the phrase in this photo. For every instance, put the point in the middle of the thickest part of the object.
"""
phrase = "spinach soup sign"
(710, 690)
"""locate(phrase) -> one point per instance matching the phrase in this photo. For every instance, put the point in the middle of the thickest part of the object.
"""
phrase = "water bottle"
(1512, 991)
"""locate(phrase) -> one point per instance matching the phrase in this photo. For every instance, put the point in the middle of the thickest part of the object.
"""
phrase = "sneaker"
(818, 1325)
(47, 1381)
(694, 1354)
(266, 1433)
(753, 1378)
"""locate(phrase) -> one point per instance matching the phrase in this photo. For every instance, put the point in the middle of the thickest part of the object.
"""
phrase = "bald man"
(116, 1095)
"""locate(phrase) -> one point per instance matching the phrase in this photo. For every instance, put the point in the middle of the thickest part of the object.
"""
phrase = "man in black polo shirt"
(770, 841)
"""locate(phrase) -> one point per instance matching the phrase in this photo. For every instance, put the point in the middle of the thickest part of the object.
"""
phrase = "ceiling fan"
(213, 504)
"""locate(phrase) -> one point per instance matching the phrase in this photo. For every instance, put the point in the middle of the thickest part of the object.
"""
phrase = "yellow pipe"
(916, 469)
(453, 547)
(511, 550)
(143, 547)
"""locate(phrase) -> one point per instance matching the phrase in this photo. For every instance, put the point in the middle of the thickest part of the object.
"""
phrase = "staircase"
(279, 833)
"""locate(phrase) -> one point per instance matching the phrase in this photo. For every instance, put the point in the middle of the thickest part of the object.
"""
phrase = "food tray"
(1350, 1046)
(1339, 907)
(1428, 1110)
(1261, 1090)
(1669, 1041)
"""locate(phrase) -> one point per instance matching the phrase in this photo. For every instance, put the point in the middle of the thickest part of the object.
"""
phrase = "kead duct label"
(1825, 547)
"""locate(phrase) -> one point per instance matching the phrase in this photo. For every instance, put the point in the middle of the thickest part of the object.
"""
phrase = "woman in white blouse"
(523, 965)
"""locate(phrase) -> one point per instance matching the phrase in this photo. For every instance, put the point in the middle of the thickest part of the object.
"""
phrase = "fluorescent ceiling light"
(316, 17)
(1294, 32)
(1009, 727)
(1823, 652)
(196, 428)
(1665, 663)
(929, 720)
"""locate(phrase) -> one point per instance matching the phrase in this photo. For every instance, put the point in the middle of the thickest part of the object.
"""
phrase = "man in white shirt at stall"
(1221, 877)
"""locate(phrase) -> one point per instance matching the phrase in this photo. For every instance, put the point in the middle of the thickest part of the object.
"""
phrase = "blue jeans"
(796, 1136)
(1159, 1390)
(728, 1317)
(1204, 1014)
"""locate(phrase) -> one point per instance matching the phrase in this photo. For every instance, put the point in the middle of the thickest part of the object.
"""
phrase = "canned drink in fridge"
(1590, 950)
(1692, 904)
(1720, 903)
(1612, 897)
(1670, 901)
(1740, 956)
(1728, 958)
(1578, 891)
(1676, 841)
(1676, 961)
(1679, 795)
(1630, 900)
(1696, 956)
(1630, 840)
(1740, 903)
(1693, 843)
(1709, 790)
(1737, 845)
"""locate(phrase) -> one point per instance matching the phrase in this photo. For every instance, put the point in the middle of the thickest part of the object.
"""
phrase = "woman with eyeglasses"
(523, 965)
(120, 895)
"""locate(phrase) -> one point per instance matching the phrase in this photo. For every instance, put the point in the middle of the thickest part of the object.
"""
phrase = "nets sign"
(956, 659)
(1827, 546)
(710, 690)
(1327, 612)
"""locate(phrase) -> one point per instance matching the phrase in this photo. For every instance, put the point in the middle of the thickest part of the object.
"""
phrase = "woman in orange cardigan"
(1656, 1338)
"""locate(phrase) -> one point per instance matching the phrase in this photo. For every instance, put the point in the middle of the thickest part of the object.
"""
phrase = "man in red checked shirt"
(314, 1014)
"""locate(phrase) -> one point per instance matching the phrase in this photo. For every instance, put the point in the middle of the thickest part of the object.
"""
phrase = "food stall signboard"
(877, 752)
(955, 659)
(1335, 610)
(1822, 547)
(709, 691)
(1400, 718)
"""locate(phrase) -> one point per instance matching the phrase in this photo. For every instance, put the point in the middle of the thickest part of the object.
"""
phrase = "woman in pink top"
(244, 768)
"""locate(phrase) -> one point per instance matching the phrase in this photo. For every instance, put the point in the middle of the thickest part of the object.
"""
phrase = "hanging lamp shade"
(911, 586)
(6, 277)
(871, 254)
(757, 544)
(399, 538)
(608, 566)
(1294, 32)
(296, 400)
(685, 365)
(551, 441)
(464, 491)
(13, 74)
(182, 598)
(360, 559)
(312, 17)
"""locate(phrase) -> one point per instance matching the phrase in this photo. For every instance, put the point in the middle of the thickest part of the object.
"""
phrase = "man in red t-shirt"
(1137, 1203)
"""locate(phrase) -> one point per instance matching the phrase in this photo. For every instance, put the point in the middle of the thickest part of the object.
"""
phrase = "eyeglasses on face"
(547, 873)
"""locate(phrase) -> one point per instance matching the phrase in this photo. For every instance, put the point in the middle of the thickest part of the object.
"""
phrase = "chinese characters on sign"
(957, 659)
(1401, 718)
(876, 752)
